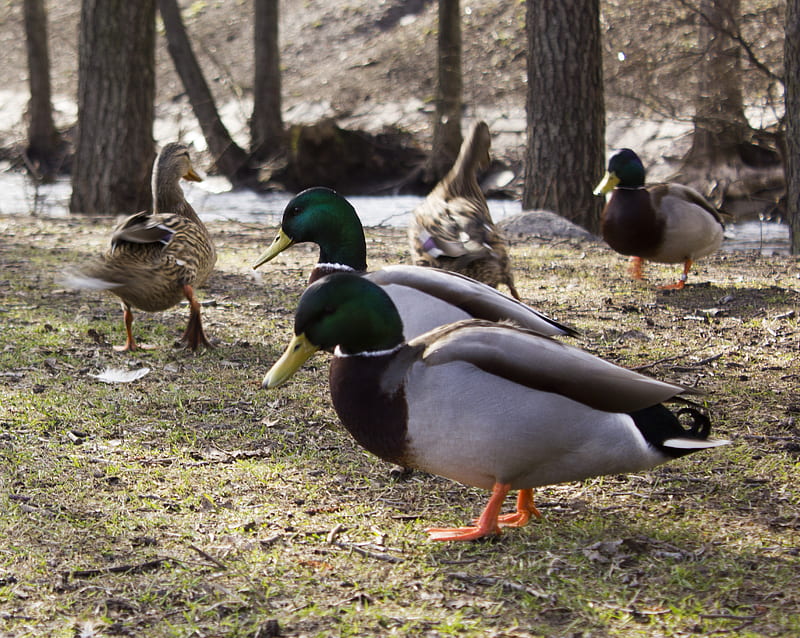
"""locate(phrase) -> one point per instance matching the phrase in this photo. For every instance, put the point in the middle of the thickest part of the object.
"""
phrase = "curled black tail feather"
(700, 426)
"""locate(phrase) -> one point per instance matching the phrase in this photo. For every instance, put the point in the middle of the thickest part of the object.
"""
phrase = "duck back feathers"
(453, 228)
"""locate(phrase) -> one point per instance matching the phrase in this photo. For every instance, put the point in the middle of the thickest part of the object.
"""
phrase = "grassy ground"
(193, 503)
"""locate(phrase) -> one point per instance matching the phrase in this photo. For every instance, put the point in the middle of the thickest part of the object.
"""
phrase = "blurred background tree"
(566, 114)
(114, 149)
(266, 123)
(45, 150)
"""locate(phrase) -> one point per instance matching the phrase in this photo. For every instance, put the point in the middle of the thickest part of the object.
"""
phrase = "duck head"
(322, 216)
(625, 170)
(343, 310)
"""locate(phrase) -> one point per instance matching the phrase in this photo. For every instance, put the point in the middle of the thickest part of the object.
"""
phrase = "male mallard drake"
(157, 258)
(482, 403)
(425, 297)
(666, 223)
(453, 229)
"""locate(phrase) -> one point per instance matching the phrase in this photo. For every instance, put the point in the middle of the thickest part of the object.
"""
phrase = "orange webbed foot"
(681, 283)
(461, 533)
(488, 522)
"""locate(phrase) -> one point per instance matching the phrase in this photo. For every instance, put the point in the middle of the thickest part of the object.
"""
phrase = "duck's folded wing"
(546, 365)
(659, 192)
(453, 229)
(143, 228)
(473, 297)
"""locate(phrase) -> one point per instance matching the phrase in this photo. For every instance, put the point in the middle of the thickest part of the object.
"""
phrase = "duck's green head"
(625, 170)
(344, 310)
(324, 217)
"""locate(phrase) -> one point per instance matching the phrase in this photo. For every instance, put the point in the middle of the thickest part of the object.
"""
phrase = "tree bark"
(45, 146)
(720, 125)
(447, 125)
(116, 93)
(266, 124)
(230, 159)
(565, 110)
(792, 100)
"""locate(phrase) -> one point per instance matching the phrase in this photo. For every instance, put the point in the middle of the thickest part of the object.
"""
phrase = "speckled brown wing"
(453, 228)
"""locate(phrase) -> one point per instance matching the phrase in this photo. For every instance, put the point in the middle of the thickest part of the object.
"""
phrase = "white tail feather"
(79, 281)
(693, 444)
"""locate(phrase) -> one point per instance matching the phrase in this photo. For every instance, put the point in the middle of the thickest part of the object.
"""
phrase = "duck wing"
(659, 193)
(146, 228)
(547, 365)
(474, 298)
(453, 228)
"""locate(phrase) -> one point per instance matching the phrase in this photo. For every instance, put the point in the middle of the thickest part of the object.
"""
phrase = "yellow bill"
(296, 354)
(281, 242)
(607, 184)
(192, 176)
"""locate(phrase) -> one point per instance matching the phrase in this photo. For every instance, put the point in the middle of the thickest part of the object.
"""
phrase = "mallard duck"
(665, 223)
(453, 229)
(486, 404)
(426, 297)
(157, 257)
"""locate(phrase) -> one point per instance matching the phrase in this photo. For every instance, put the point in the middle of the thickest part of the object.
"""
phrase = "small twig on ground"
(209, 557)
(491, 581)
(370, 554)
(118, 569)
(652, 364)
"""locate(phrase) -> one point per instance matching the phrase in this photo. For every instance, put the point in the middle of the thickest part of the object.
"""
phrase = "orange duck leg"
(490, 520)
(679, 285)
(194, 336)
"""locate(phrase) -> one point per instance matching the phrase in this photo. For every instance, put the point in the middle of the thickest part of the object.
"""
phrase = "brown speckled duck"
(665, 223)
(156, 259)
(453, 229)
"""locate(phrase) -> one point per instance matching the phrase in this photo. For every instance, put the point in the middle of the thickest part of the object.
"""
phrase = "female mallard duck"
(482, 403)
(157, 258)
(666, 223)
(453, 229)
(425, 297)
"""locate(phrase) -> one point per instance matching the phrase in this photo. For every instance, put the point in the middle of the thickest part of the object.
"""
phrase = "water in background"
(214, 200)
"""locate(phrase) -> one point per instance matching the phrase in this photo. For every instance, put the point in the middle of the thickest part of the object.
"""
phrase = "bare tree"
(447, 124)
(720, 124)
(792, 101)
(566, 125)
(116, 93)
(266, 123)
(44, 150)
(230, 159)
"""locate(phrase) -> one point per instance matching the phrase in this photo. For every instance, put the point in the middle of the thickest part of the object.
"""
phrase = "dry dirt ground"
(192, 503)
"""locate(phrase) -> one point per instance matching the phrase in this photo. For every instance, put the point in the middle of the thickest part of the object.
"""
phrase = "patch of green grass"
(192, 502)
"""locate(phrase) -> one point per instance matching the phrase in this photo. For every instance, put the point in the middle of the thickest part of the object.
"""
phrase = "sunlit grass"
(232, 507)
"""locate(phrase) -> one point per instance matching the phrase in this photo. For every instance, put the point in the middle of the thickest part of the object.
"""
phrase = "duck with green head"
(665, 223)
(486, 404)
(425, 297)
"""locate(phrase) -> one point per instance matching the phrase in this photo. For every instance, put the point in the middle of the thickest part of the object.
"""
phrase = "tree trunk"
(45, 146)
(791, 55)
(230, 159)
(565, 110)
(447, 125)
(266, 123)
(116, 93)
(720, 125)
